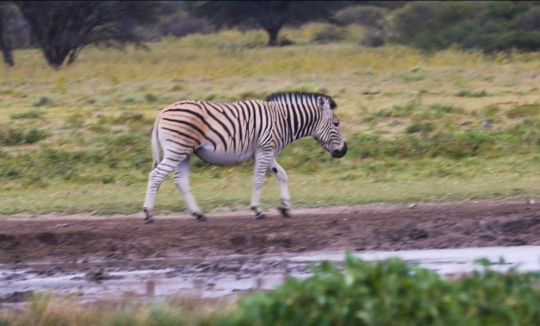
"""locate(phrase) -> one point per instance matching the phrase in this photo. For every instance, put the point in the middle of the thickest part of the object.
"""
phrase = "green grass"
(409, 119)
(376, 182)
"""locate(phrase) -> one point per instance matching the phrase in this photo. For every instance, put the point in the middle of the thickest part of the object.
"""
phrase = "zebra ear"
(323, 103)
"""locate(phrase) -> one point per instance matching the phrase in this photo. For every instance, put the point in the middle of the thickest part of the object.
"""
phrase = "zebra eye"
(336, 124)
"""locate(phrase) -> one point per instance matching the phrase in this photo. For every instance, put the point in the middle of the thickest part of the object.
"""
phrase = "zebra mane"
(298, 98)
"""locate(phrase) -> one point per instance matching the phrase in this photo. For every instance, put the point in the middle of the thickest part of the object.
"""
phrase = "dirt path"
(389, 227)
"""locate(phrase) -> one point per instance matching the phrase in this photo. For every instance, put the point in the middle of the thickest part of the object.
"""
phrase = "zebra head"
(327, 132)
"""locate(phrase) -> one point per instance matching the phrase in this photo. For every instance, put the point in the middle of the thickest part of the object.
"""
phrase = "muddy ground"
(76, 242)
(399, 227)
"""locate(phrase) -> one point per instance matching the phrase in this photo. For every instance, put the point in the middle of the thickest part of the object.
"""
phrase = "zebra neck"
(299, 122)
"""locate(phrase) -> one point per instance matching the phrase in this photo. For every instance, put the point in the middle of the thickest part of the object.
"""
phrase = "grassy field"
(77, 139)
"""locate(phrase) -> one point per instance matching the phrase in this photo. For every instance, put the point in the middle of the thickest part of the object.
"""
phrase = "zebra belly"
(209, 155)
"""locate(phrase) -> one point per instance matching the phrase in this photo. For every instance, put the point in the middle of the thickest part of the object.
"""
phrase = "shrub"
(420, 127)
(491, 110)
(75, 120)
(150, 98)
(506, 10)
(397, 111)
(34, 135)
(467, 93)
(44, 100)
(523, 111)
(392, 292)
(13, 137)
(368, 16)
(130, 98)
(28, 115)
(180, 25)
(487, 25)
(373, 38)
(413, 18)
(330, 33)
(529, 21)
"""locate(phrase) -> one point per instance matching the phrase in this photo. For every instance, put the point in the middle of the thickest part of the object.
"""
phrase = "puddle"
(154, 279)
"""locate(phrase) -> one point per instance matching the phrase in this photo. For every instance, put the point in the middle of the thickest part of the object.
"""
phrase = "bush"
(330, 33)
(28, 115)
(180, 25)
(413, 18)
(34, 135)
(150, 98)
(13, 137)
(130, 98)
(373, 38)
(489, 25)
(392, 292)
(506, 10)
(420, 127)
(368, 16)
(75, 120)
(467, 93)
(523, 111)
(529, 21)
(44, 100)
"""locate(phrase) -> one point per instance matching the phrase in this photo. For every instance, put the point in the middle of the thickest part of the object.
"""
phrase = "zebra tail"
(156, 153)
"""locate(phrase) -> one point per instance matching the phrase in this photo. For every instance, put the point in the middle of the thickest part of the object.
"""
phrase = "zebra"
(229, 133)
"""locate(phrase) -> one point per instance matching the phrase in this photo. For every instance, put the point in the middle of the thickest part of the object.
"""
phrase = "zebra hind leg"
(155, 179)
(281, 175)
(181, 181)
(262, 163)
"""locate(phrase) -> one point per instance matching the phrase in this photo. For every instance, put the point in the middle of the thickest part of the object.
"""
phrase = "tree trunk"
(55, 55)
(5, 41)
(273, 35)
(7, 55)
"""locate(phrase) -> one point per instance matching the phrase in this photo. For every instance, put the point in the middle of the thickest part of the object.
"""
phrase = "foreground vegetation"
(382, 293)
(419, 128)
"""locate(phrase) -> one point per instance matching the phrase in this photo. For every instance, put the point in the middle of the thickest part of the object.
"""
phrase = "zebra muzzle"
(339, 153)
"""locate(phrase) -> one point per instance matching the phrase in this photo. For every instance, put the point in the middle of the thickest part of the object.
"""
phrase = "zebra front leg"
(281, 175)
(262, 162)
(155, 179)
(181, 181)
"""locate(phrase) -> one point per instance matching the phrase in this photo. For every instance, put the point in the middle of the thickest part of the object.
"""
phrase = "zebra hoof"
(200, 217)
(260, 216)
(147, 215)
(150, 221)
(285, 212)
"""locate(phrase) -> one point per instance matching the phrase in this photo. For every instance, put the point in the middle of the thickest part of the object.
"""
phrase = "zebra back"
(299, 98)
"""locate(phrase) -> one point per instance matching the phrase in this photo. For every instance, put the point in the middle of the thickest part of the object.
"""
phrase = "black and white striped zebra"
(228, 133)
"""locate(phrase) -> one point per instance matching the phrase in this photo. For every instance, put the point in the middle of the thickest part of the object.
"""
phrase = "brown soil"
(396, 227)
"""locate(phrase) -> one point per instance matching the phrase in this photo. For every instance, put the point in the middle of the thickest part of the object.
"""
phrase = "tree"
(5, 40)
(269, 15)
(63, 28)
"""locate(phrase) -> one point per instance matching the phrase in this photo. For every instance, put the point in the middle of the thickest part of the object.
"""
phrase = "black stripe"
(225, 114)
(205, 122)
(189, 124)
(182, 134)
(179, 143)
